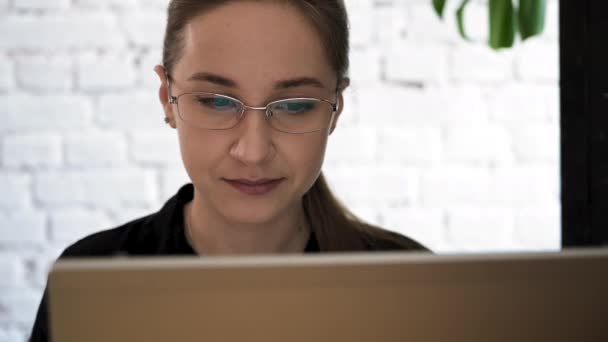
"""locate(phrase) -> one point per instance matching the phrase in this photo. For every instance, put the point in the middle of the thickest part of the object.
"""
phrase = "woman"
(254, 89)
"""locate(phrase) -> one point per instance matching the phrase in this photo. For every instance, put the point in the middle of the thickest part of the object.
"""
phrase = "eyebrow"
(283, 84)
(298, 82)
(212, 78)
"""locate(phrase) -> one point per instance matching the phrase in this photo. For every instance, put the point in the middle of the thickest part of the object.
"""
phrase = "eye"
(296, 106)
(217, 103)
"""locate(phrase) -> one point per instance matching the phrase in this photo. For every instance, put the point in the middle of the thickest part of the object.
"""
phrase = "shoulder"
(115, 241)
(379, 239)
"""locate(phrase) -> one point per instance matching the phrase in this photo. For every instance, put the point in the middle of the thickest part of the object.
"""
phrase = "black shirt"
(161, 233)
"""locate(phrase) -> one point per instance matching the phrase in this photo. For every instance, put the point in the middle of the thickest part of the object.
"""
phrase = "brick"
(392, 106)
(25, 112)
(412, 62)
(122, 4)
(412, 145)
(20, 305)
(351, 145)
(160, 4)
(45, 73)
(145, 28)
(36, 264)
(462, 103)
(95, 148)
(104, 188)
(172, 180)
(360, 22)
(389, 25)
(32, 150)
(12, 335)
(54, 187)
(387, 185)
(146, 75)
(7, 76)
(537, 60)
(424, 25)
(70, 30)
(536, 143)
(456, 185)
(108, 73)
(15, 191)
(131, 110)
(396, 106)
(366, 64)
(11, 271)
(41, 4)
(538, 228)
(425, 225)
(541, 103)
(52, 251)
(480, 230)
(521, 186)
(70, 225)
(478, 144)
(23, 227)
(155, 147)
(479, 63)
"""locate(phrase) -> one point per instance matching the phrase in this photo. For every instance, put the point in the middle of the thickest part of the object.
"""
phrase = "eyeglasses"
(219, 112)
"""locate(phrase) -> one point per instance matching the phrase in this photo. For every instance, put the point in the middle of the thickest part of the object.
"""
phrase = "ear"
(340, 102)
(163, 95)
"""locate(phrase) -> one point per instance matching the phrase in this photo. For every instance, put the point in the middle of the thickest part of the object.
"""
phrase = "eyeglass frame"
(173, 100)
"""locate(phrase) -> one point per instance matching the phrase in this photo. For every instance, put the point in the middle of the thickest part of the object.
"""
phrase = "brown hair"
(335, 227)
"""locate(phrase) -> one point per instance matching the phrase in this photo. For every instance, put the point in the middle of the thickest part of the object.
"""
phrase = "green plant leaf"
(439, 6)
(531, 17)
(460, 19)
(502, 24)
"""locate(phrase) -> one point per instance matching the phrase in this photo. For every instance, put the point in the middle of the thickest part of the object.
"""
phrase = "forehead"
(255, 42)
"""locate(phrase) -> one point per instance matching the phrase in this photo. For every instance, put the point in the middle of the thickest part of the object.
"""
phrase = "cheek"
(200, 152)
(305, 156)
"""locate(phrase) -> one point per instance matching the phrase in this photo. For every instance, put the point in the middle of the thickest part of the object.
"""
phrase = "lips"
(254, 186)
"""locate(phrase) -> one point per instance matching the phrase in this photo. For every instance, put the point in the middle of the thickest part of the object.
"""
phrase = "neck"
(210, 234)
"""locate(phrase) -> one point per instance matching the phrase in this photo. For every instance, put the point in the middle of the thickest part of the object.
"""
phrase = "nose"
(254, 143)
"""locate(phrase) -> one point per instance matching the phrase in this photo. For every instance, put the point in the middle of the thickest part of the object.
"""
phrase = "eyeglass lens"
(216, 111)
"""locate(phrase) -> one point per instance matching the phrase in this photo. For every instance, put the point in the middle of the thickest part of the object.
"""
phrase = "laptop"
(535, 297)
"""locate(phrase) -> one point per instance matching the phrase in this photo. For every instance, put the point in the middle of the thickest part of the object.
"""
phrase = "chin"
(258, 213)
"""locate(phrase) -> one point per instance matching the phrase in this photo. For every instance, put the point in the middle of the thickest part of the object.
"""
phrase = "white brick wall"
(417, 63)
(106, 73)
(40, 4)
(23, 113)
(443, 140)
(11, 271)
(11, 335)
(45, 73)
(31, 150)
(86, 149)
(7, 79)
(71, 30)
(23, 227)
(16, 192)
(69, 225)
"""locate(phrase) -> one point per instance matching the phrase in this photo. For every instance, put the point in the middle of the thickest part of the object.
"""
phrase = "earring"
(166, 120)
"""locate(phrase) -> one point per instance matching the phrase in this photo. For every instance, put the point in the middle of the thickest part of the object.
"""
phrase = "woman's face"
(248, 50)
